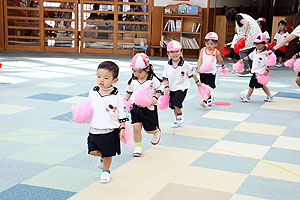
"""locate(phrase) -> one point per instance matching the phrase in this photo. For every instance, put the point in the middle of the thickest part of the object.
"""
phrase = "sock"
(156, 133)
(138, 144)
(209, 97)
(106, 171)
(179, 114)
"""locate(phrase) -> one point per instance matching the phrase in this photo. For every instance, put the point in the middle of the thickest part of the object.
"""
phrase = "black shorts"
(253, 82)
(208, 79)
(177, 98)
(279, 53)
(298, 74)
(149, 118)
(108, 144)
(233, 55)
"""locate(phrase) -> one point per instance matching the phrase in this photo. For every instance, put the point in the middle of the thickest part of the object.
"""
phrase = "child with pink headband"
(176, 75)
(145, 117)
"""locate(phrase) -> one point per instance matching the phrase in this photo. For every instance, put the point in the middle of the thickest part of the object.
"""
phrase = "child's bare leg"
(298, 80)
(137, 132)
(96, 153)
(250, 92)
(175, 113)
(266, 90)
(107, 163)
(178, 111)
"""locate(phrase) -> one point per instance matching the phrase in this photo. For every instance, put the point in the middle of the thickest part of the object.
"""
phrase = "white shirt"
(109, 111)
(259, 61)
(152, 83)
(267, 35)
(234, 40)
(212, 57)
(278, 37)
(178, 77)
(296, 31)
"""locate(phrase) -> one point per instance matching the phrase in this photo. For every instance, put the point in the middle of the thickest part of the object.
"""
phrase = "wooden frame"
(1, 26)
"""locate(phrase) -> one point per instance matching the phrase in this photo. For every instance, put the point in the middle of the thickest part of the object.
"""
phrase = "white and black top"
(109, 111)
(152, 83)
(278, 37)
(178, 77)
(234, 40)
(259, 61)
(296, 31)
(210, 57)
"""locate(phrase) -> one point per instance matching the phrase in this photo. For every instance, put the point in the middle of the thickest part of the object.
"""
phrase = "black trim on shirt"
(181, 62)
(114, 92)
(165, 78)
(123, 120)
(149, 77)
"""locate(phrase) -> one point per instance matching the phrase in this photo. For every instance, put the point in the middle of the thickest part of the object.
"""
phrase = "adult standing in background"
(247, 28)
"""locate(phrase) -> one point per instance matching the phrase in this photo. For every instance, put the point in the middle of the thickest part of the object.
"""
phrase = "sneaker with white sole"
(210, 101)
(100, 163)
(180, 119)
(105, 177)
(175, 124)
(245, 98)
(203, 104)
(137, 152)
(245, 73)
(155, 138)
(269, 98)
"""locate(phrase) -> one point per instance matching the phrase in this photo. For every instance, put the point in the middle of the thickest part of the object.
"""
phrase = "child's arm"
(167, 88)
(229, 44)
(245, 28)
(244, 59)
(199, 63)
(267, 70)
(122, 131)
(220, 59)
(127, 96)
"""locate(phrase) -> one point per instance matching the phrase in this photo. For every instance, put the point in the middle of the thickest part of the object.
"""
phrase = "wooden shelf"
(171, 32)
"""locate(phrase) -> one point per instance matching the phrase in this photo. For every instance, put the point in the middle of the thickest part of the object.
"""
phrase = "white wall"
(219, 3)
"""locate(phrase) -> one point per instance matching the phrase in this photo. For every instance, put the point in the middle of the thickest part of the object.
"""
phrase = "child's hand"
(223, 67)
(266, 72)
(122, 134)
(294, 57)
(154, 101)
(241, 60)
(198, 84)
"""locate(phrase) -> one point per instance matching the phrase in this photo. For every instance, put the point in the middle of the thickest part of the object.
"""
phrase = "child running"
(258, 67)
(176, 75)
(108, 118)
(143, 117)
(209, 53)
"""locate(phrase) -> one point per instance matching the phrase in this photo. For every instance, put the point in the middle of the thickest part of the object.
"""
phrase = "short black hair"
(110, 66)
(215, 41)
(230, 14)
(283, 22)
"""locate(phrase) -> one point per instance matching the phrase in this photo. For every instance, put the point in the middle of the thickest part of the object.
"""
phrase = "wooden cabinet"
(185, 28)
(224, 29)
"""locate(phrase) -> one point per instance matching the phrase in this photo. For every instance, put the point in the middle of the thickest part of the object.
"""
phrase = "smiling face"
(141, 74)
(105, 78)
(210, 44)
(174, 55)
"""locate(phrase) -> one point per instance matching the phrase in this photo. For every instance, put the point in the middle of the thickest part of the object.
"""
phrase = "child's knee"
(95, 153)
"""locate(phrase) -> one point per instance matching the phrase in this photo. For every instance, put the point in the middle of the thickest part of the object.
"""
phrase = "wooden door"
(1, 26)
(23, 25)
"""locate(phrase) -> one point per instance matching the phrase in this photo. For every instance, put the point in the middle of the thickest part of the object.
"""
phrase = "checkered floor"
(244, 151)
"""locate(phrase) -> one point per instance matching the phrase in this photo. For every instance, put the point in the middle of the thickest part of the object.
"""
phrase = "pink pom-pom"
(238, 67)
(290, 63)
(128, 135)
(223, 70)
(271, 60)
(128, 105)
(206, 67)
(262, 79)
(142, 97)
(297, 65)
(164, 102)
(82, 112)
(204, 90)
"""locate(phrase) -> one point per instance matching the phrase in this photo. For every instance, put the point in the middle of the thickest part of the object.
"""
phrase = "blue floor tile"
(250, 138)
(49, 96)
(288, 95)
(226, 162)
(26, 192)
(84, 94)
(291, 132)
(283, 155)
(268, 188)
(64, 117)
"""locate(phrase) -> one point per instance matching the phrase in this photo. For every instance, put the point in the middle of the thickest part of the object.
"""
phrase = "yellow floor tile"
(190, 96)
(277, 170)
(287, 143)
(244, 197)
(143, 177)
(231, 116)
(224, 95)
(7, 109)
(210, 179)
(260, 128)
(56, 84)
(239, 149)
(258, 92)
(281, 103)
(195, 131)
(74, 100)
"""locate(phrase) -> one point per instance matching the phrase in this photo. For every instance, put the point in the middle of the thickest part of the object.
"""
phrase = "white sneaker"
(203, 104)
(269, 98)
(175, 124)
(180, 119)
(105, 177)
(245, 98)
(156, 138)
(210, 101)
(137, 152)
(100, 163)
